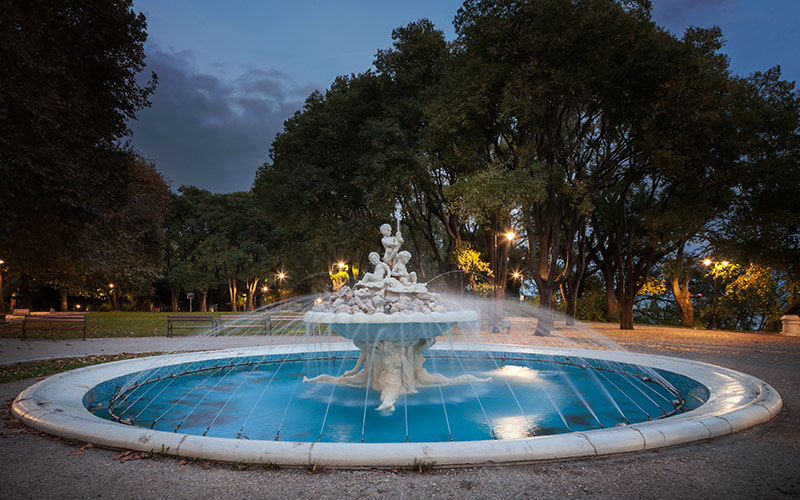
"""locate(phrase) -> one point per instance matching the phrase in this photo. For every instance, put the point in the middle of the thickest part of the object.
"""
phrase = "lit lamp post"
(518, 277)
(707, 263)
(111, 295)
(264, 290)
(279, 278)
(509, 236)
(2, 300)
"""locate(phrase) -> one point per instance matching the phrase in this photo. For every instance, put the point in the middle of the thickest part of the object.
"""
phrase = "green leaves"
(69, 86)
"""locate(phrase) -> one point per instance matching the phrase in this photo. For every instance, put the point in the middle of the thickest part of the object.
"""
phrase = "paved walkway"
(762, 462)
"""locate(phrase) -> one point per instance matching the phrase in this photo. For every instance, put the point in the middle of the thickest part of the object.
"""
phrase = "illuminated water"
(265, 398)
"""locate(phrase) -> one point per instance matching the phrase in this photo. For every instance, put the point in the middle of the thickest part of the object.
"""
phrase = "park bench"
(252, 321)
(276, 319)
(186, 322)
(496, 326)
(46, 322)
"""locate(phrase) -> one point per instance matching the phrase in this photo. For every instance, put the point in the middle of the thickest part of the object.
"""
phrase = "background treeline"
(620, 155)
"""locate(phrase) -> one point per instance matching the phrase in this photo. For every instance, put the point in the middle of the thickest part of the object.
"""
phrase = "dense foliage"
(611, 147)
(78, 208)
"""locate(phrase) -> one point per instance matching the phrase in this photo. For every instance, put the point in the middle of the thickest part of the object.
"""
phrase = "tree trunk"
(626, 311)
(2, 297)
(175, 290)
(420, 260)
(684, 300)
(62, 293)
(233, 292)
(612, 302)
(544, 325)
(25, 291)
(204, 303)
(682, 296)
(572, 306)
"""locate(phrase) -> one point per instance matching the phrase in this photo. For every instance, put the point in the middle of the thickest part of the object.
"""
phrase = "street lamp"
(509, 235)
(111, 295)
(708, 262)
(2, 300)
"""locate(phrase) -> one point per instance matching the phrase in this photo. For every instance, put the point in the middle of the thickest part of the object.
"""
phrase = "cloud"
(208, 132)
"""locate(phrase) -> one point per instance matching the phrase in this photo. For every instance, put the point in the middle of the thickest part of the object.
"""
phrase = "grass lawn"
(120, 324)
(107, 324)
(21, 371)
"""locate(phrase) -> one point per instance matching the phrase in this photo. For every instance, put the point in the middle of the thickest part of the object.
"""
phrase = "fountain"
(392, 320)
(390, 373)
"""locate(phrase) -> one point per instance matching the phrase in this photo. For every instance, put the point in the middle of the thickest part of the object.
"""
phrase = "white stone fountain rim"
(399, 317)
(736, 401)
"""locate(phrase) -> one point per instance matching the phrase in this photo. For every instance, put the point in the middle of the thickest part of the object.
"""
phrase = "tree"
(686, 152)
(562, 92)
(423, 148)
(762, 225)
(69, 86)
(321, 186)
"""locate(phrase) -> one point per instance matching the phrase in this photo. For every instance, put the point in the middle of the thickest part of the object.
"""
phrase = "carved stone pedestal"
(393, 368)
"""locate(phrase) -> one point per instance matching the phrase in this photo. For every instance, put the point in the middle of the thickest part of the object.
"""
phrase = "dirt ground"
(762, 462)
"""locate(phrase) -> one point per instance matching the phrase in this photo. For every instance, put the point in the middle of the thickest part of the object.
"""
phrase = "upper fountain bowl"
(398, 327)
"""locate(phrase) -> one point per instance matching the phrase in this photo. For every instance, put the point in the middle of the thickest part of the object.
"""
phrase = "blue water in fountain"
(267, 400)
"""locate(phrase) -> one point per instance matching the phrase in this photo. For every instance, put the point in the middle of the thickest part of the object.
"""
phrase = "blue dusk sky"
(231, 72)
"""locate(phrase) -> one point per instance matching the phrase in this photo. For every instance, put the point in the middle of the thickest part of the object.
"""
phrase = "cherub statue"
(378, 277)
(391, 244)
(399, 271)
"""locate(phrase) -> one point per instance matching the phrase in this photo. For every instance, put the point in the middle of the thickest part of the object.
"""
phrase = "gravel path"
(763, 462)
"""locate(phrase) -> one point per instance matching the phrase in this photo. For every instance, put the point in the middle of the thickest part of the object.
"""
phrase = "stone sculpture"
(393, 320)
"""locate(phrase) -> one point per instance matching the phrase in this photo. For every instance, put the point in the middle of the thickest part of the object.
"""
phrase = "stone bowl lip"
(736, 401)
(463, 316)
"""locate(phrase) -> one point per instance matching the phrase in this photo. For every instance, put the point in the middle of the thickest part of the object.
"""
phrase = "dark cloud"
(211, 133)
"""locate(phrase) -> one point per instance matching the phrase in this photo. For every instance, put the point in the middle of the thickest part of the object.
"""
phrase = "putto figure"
(378, 277)
(391, 244)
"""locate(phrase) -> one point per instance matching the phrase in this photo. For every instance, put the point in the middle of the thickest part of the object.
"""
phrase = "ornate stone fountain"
(392, 319)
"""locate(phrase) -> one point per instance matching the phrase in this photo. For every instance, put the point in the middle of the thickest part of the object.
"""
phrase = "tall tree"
(762, 225)
(558, 89)
(68, 86)
(320, 186)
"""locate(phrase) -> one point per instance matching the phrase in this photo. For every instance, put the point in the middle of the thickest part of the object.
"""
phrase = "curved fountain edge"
(381, 318)
(736, 401)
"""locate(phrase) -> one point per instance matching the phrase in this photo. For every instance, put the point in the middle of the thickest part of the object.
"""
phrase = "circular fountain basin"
(71, 405)
(398, 327)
